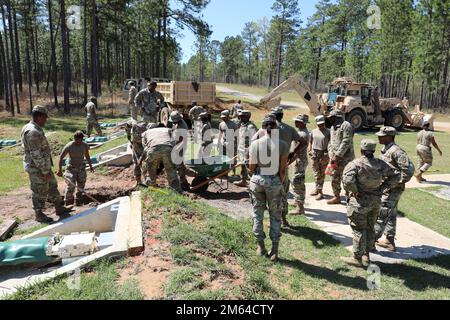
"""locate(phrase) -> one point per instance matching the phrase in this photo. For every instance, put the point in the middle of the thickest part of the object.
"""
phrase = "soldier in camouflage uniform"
(425, 139)
(194, 115)
(393, 155)
(364, 178)
(91, 117)
(132, 93)
(180, 132)
(206, 136)
(135, 130)
(149, 101)
(246, 131)
(266, 186)
(235, 110)
(158, 145)
(75, 174)
(340, 150)
(318, 151)
(289, 135)
(301, 164)
(38, 164)
(228, 136)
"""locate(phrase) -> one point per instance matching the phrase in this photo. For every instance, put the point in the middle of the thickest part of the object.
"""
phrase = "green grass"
(209, 248)
(100, 284)
(427, 210)
(310, 268)
(12, 175)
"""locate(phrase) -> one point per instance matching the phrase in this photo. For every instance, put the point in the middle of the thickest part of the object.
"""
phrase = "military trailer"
(179, 95)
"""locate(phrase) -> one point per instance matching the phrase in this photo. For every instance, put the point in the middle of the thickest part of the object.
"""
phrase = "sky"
(228, 17)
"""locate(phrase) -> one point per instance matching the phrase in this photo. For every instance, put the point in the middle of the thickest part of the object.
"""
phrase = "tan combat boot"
(353, 261)
(388, 244)
(42, 218)
(419, 177)
(319, 195)
(300, 210)
(261, 251)
(314, 193)
(335, 201)
(274, 252)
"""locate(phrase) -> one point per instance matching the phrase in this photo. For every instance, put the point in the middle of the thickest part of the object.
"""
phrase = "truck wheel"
(396, 119)
(164, 115)
(357, 119)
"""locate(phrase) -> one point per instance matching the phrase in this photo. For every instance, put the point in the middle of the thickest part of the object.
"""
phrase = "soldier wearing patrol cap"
(363, 179)
(227, 135)
(180, 136)
(247, 130)
(91, 117)
(397, 158)
(206, 134)
(301, 164)
(194, 115)
(318, 151)
(38, 164)
(425, 139)
(149, 101)
(289, 135)
(134, 131)
(340, 150)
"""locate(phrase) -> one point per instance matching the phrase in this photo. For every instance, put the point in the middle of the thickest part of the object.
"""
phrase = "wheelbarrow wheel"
(198, 181)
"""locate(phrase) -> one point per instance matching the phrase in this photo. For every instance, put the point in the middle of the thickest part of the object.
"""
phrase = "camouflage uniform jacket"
(302, 162)
(393, 155)
(341, 142)
(148, 101)
(37, 150)
(369, 176)
(132, 95)
(246, 133)
(195, 112)
(91, 112)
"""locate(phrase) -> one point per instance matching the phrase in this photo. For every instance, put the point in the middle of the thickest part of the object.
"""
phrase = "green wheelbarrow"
(208, 170)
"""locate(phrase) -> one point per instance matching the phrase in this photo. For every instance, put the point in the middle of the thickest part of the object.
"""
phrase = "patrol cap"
(78, 135)
(175, 116)
(336, 113)
(320, 120)
(40, 109)
(152, 83)
(245, 113)
(302, 118)
(225, 114)
(277, 110)
(204, 115)
(152, 126)
(387, 131)
(368, 145)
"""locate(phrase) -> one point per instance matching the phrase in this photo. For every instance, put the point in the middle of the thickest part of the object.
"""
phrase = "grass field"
(60, 131)
(207, 246)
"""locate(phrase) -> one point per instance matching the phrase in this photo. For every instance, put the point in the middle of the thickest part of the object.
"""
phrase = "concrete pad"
(120, 156)
(414, 241)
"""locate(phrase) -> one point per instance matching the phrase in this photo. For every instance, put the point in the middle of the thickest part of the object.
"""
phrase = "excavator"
(362, 108)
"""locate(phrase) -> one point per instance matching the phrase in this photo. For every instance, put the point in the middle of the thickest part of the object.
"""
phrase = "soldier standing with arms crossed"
(425, 139)
(393, 155)
(266, 186)
(149, 101)
(75, 174)
(38, 164)
(320, 138)
(340, 150)
(364, 178)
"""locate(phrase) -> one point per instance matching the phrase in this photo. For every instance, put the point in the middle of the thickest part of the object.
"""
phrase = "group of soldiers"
(373, 186)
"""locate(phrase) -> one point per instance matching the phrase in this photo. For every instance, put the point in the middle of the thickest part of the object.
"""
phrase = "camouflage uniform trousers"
(138, 151)
(320, 162)
(91, 124)
(156, 156)
(285, 196)
(387, 218)
(362, 215)
(298, 183)
(245, 176)
(78, 177)
(336, 180)
(266, 193)
(425, 155)
(43, 190)
(150, 117)
(134, 111)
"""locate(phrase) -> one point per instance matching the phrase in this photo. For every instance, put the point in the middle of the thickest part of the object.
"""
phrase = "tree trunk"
(94, 51)
(54, 70)
(13, 58)
(65, 51)
(16, 37)
(85, 54)
(6, 75)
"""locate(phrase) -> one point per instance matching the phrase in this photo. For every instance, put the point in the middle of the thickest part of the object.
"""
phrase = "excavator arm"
(273, 99)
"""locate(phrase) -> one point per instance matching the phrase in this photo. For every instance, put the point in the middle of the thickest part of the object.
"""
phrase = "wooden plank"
(6, 227)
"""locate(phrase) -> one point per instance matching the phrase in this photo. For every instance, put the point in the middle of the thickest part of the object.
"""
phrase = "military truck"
(178, 95)
(356, 100)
